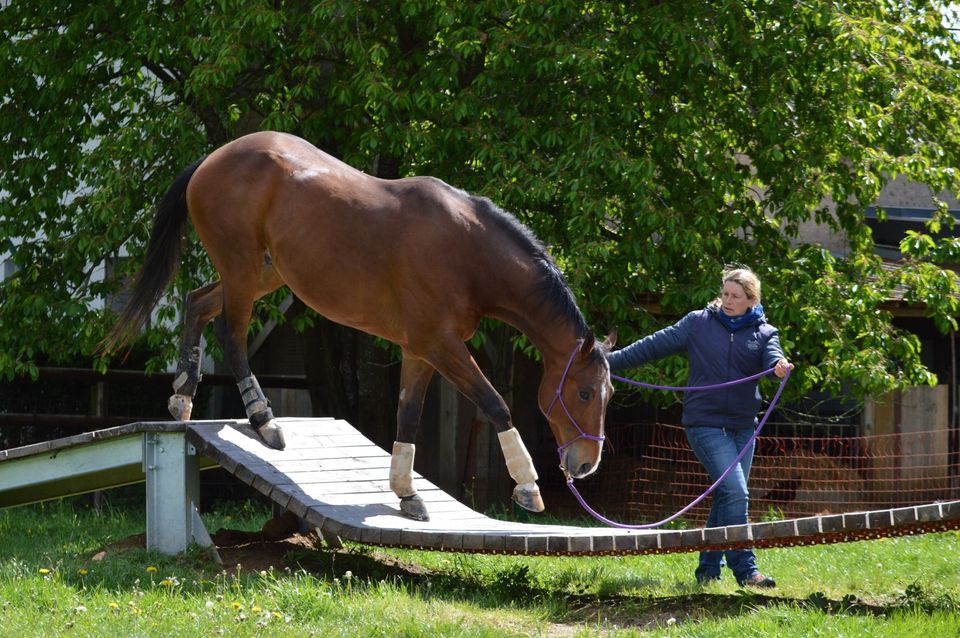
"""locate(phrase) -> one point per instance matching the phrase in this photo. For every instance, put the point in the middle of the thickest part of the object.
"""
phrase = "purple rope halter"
(736, 461)
(558, 398)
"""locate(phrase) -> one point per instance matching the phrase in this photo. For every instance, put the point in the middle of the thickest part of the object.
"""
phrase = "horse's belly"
(411, 311)
(356, 257)
(347, 296)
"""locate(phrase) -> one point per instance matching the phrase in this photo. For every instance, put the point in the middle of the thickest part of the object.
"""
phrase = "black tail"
(161, 263)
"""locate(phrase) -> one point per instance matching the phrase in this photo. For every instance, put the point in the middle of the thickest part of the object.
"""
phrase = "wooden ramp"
(337, 480)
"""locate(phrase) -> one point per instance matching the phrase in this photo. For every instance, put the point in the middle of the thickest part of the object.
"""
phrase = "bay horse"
(413, 260)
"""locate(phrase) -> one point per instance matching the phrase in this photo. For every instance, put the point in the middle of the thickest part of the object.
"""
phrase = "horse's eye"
(584, 395)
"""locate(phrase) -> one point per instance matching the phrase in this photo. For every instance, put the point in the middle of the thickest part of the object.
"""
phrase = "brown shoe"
(759, 580)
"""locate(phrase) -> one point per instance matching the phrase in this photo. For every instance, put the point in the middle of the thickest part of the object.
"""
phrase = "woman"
(728, 340)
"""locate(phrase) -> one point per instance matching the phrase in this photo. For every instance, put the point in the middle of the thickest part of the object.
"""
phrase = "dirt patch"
(251, 551)
(280, 544)
(139, 540)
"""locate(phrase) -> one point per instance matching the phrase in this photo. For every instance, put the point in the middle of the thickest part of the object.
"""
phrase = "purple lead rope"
(715, 386)
(773, 402)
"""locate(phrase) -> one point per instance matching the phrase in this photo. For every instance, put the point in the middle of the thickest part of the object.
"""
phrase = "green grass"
(51, 585)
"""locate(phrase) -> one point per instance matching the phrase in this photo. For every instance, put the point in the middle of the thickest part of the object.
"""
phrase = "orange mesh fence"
(794, 477)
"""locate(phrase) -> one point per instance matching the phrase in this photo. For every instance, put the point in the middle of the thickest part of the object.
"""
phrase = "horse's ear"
(610, 341)
(588, 342)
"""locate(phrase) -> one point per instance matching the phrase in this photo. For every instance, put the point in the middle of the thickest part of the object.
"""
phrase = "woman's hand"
(782, 367)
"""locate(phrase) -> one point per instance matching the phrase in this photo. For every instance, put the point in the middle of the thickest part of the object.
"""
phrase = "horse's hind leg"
(202, 305)
(238, 298)
(415, 375)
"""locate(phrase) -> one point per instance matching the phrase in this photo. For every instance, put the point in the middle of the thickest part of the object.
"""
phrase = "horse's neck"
(551, 334)
(553, 339)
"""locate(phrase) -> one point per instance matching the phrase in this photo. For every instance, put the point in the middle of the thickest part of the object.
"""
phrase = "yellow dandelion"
(255, 609)
(166, 582)
(114, 606)
(82, 572)
(236, 606)
(151, 569)
(277, 615)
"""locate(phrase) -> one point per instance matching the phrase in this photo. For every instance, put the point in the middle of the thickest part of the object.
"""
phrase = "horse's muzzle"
(584, 470)
(575, 465)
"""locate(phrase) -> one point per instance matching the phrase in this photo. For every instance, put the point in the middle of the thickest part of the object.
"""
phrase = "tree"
(648, 143)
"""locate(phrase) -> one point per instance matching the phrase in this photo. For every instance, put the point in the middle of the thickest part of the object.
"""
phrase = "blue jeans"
(717, 448)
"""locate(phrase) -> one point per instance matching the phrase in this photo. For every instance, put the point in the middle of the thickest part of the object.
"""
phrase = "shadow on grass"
(514, 585)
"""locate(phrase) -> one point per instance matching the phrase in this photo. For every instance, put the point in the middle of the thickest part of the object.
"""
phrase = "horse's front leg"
(526, 494)
(463, 372)
(415, 375)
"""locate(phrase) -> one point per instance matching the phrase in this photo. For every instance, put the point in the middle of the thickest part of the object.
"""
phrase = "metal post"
(172, 477)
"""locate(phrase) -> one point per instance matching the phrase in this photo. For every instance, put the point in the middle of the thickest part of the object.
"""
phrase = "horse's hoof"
(527, 496)
(180, 406)
(272, 435)
(414, 507)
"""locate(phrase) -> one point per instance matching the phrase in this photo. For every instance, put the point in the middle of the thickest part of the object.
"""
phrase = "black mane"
(552, 288)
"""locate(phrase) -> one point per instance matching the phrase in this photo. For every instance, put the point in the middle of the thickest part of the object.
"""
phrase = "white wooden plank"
(338, 476)
(304, 466)
(358, 487)
(322, 453)
(367, 498)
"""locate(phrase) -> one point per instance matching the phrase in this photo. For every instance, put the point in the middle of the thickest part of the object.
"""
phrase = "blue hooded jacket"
(716, 355)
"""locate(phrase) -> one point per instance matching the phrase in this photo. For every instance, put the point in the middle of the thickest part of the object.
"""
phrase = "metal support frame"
(162, 458)
(172, 474)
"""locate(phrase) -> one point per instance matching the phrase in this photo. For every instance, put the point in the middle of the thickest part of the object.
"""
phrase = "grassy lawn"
(54, 581)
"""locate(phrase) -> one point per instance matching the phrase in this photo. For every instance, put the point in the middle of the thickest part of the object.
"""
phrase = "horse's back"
(263, 186)
(350, 245)
(265, 160)
(286, 176)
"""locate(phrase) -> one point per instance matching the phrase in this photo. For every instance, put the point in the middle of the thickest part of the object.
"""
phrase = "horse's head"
(573, 395)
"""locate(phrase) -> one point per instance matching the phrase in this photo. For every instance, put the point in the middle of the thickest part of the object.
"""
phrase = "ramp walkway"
(336, 479)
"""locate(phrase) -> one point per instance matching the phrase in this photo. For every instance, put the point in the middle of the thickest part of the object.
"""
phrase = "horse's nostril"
(584, 469)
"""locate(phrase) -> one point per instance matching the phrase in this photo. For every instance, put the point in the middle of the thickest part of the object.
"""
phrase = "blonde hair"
(747, 280)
